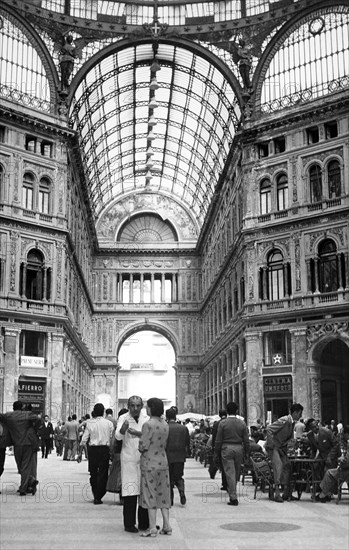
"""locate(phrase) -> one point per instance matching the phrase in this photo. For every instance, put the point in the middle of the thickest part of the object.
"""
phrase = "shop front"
(32, 391)
(277, 396)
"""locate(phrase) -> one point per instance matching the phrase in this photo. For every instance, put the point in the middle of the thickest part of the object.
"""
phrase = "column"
(174, 288)
(300, 378)
(152, 288)
(265, 283)
(44, 290)
(119, 294)
(254, 387)
(24, 279)
(131, 288)
(142, 288)
(162, 287)
(316, 268)
(11, 367)
(314, 385)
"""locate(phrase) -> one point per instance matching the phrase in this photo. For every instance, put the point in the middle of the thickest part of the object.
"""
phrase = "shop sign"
(277, 385)
(33, 392)
(27, 361)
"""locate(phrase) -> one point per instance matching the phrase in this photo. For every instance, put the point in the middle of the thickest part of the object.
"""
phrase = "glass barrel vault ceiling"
(176, 146)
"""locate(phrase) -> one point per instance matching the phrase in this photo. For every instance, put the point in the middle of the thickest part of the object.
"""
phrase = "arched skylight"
(178, 144)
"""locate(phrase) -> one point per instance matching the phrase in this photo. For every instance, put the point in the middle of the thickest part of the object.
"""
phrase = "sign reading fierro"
(278, 385)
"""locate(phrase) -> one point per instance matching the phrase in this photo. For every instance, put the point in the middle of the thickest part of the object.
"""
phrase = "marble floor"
(62, 516)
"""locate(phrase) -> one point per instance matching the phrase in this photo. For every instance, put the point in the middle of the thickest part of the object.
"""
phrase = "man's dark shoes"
(97, 501)
(278, 498)
(183, 499)
(233, 502)
(319, 499)
(34, 487)
(131, 529)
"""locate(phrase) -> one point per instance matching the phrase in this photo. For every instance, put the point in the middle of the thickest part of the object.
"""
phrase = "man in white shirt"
(98, 433)
(129, 430)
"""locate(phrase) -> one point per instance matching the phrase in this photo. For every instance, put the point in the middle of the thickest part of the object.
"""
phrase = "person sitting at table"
(323, 443)
(329, 483)
(279, 433)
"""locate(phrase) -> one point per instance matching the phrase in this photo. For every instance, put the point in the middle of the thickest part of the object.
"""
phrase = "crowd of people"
(141, 454)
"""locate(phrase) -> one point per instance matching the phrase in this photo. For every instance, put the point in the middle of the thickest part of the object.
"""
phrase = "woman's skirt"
(155, 489)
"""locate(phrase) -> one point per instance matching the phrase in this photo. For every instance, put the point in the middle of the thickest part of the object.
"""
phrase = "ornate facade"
(182, 168)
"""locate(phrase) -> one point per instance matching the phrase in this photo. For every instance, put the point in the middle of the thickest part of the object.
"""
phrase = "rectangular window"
(32, 343)
(331, 129)
(2, 134)
(282, 198)
(44, 201)
(313, 135)
(265, 202)
(279, 144)
(263, 150)
(27, 198)
(30, 143)
(277, 348)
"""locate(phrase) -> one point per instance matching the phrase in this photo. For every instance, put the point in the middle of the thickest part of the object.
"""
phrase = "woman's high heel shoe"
(166, 531)
(149, 533)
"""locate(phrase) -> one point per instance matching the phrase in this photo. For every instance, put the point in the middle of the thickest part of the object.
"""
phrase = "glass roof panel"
(180, 139)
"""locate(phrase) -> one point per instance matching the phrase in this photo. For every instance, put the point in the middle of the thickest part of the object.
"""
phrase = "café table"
(306, 474)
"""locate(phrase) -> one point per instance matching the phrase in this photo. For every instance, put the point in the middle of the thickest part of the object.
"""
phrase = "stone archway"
(146, 362)
(330, 385)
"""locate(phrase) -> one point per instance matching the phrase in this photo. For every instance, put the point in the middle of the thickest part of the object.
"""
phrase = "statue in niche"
(69, 49)
(67, 60)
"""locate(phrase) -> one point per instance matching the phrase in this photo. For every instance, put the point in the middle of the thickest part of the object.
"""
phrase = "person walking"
(128, 431)
(177, 449)
(114, 478)
(98, 433)
(58, 438)
(155, 479)
(72, 430)
(20, 426)
(279, 433)
(232, 444)
(45, 433)
(5, 441)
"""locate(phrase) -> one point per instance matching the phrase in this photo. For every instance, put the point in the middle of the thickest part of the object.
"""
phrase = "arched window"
(35, 278)
(328, 266)
(28, 191)
(334, 179)
(44, 196)
(282, 192)
(315, 183)
(275, 278)
(265, 196)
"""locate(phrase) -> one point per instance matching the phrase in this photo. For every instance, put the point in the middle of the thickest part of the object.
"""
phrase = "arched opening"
(146, 360)
(334, 362)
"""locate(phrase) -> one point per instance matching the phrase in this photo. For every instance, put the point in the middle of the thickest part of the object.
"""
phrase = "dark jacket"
(327, 445)
(45, 432)
(20, 425)
(178, 443)
(5, 438)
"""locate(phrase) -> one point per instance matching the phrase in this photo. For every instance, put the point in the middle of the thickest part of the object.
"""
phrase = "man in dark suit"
(20, 425)
(177, 449)
(5, 441)
(323, 443)
(46, 436)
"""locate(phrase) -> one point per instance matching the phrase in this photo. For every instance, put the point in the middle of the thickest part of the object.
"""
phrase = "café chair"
(341, 489)
(263, 474)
